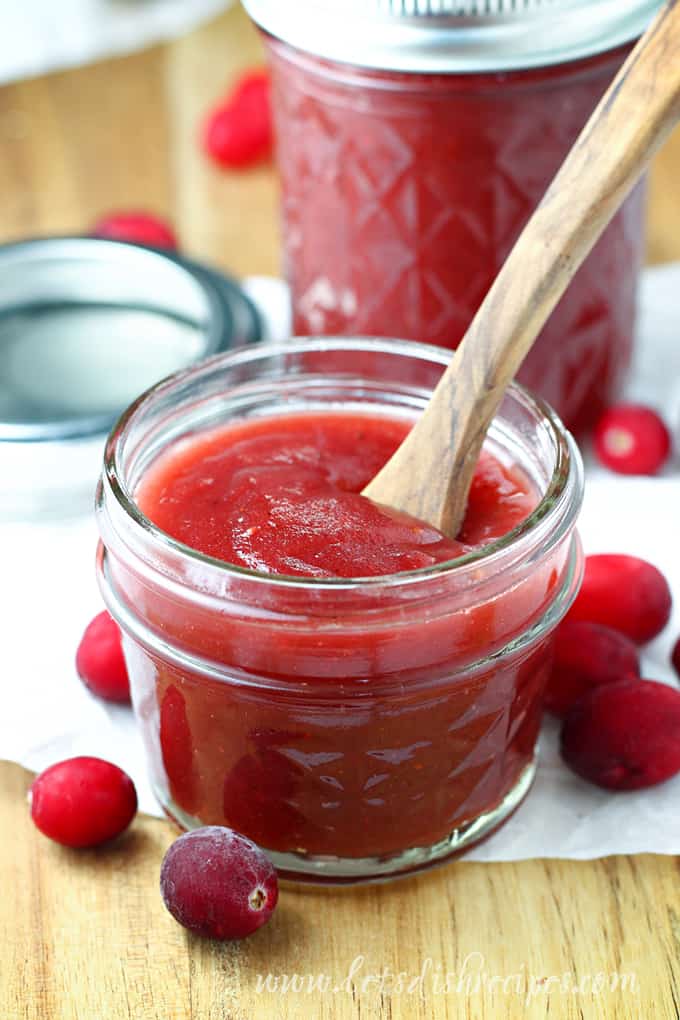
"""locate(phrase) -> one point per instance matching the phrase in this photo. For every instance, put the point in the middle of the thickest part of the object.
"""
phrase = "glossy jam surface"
(283, 497)
(355, 724)
(403, 194)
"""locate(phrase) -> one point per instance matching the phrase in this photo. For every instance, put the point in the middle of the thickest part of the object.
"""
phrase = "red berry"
(624, 736)
(586, 656)
(625, 593)
(675, 657)
(137, 228)
(177, 749)
(83, 801)
(219, 884)
(260, 793)
(632, 440)
(238, 132)
(99, 660)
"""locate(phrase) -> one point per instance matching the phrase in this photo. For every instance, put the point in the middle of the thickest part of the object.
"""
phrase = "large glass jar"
(413, 145)
(355, 728)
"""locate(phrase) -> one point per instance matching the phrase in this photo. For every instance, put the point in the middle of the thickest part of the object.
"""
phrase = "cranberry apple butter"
(348, 687)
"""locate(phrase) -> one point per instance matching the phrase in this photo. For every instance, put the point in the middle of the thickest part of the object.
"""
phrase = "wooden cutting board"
(84, 936)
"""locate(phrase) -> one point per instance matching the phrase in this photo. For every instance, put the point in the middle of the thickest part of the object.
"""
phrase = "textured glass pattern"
(402, 195)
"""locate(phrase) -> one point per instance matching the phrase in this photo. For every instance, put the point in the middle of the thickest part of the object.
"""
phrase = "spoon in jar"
(429, 475)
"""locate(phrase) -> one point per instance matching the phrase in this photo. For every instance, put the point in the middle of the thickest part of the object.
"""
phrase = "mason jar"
(354, 728)
(414, 140)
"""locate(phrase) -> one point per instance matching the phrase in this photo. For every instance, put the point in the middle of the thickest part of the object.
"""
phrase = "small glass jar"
(359, 728)
(415, 139)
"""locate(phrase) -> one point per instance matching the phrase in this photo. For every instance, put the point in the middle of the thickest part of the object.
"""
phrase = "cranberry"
(238, 132)
(675, 657)
(177, 749)
(632, 440)
(137, 228)
(257, 797)
(83, 801)
(587, 655)
(217, 883)
(625, 593)
(624, 736)
(99, 660)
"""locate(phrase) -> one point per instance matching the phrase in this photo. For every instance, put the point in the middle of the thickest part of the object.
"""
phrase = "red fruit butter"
(632, 439)
(238, 132)
(83, 801)
(625, 593)
(217, 883)
(624, 736)
(136, 228)
(586, 656)
(99, 660)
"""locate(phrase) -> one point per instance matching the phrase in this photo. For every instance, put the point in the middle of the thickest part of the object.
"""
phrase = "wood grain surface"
(83, 935)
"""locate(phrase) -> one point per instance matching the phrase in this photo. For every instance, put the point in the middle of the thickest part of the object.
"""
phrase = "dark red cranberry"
(259, 797)
(624, 736)
(586, 656)
(177, 749)
(218, 884)
(675, 657)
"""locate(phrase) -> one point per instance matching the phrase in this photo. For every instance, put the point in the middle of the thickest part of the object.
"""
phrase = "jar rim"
(554, 514)
(453, 36)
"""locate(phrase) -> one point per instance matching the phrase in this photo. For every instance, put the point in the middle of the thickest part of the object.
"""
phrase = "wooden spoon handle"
(429, 476)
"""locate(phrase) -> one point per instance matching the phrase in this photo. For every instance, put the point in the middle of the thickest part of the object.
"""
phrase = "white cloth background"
(37, 36)
(48, 595)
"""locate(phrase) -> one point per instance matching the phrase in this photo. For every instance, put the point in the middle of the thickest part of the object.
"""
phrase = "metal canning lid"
(453, 36)
(85, 326)
(244, 319)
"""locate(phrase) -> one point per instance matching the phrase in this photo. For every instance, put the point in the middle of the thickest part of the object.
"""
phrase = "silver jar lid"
(85, 326)
(453, 36)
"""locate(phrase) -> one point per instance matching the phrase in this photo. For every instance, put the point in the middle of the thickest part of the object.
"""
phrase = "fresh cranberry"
(217, 883)
(238, 132)
(177, 749)
(83, 801)
(137, 228)
(99, 660)
(586, 656)
(675, 657)
(625, 593)
(632, 440)
(258, 791)
(624, 736)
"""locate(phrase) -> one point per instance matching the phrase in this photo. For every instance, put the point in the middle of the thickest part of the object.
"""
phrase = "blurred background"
(122, 131)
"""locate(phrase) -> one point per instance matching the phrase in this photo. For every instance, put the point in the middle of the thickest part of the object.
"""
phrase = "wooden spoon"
(430, 474)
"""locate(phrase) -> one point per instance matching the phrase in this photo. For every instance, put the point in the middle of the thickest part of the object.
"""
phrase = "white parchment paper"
(48, 594)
